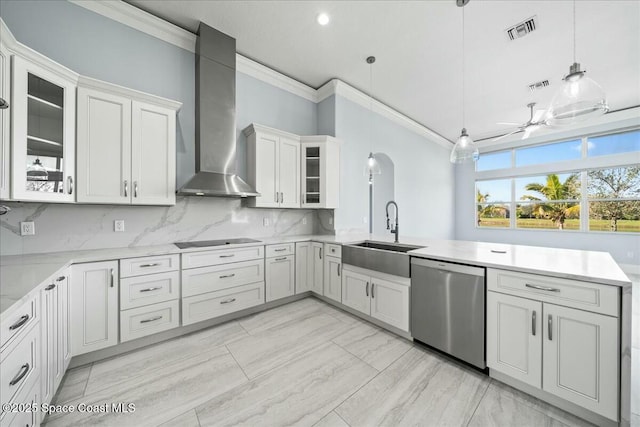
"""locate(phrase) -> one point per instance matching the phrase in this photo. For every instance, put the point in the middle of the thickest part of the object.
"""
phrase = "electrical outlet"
(365, 220)
(304, 220)
(265, 221)
(330, 220)
(118, 225)
(27, 228)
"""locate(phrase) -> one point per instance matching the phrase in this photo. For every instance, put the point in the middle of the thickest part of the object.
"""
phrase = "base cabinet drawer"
(150, 289)
(149, 265)
(216, 278)
(20, 365)
(149, 320)
(30, 397)
(214, 304)
(221, 256)
(21, 319)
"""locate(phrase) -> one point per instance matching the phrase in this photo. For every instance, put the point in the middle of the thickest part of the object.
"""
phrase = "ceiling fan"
(536, 121)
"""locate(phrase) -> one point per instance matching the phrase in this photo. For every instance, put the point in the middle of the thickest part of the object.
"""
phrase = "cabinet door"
(49, 340)
(304, 268)
(266, 171)
(153, 155)
(279, 277)
(356, 290)
(333, 278)
(43, 134)
(312, 171)
(289, 173)
(390, 303)
(318, 268)
(104, 147)
(514, 337)
(580, 358)
(93, 306)
(5, 117)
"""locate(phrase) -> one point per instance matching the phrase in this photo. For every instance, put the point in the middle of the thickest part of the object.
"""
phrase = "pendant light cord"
(371, 105)
(463, 118)
(574, 31)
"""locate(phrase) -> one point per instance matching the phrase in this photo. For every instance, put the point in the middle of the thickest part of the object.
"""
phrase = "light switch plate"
(118, 225)
(27, 228)
(304, 220)
(265, 222)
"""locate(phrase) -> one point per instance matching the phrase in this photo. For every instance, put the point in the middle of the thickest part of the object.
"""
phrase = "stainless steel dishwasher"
(448, 308)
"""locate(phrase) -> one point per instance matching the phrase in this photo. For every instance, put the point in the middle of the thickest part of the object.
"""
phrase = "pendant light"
(580, 98)
(465, 149)
(372, 166)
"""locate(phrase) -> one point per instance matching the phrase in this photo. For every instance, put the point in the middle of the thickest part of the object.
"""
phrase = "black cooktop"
(206, 243)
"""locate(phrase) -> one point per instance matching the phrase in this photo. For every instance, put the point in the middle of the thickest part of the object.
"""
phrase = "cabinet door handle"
(533, 323)
(153, 319)
(338, 270)
(277, 197)
(372, 286)
(366, 289)
(303, 198)
(135, 188)
(61, 278)
(281, 259)
(50, 287)
(23, 371)
(112, 279)
(550, 323)
(542, 288)
(320, 253)
(70, 185)
(228, 301)
(155, 288)
(281, 197)
(152, 264)
(23, 319)
(227, 256)
(226, 276)
(126, 188)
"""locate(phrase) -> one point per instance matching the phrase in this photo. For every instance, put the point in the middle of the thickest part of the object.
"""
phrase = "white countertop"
(22, 274)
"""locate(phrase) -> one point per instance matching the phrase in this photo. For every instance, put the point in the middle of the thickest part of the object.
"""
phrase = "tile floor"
(305, 363)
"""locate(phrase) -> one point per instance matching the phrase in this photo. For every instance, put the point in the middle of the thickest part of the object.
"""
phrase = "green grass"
(624, 226)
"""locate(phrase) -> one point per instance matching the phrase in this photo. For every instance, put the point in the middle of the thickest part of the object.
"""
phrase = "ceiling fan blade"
(538, 115)
(509, 123)
(507, 134)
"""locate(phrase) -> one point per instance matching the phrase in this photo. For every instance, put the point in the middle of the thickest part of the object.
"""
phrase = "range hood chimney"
(216, 119)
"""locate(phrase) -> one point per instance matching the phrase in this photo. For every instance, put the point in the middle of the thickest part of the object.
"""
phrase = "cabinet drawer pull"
(533, 323)
(23, 371)
(69, 185)
(366, 289)
(226, 276)
(155, 288)
(372, 286)
(153, 264)
(228, 301)
(126, 188)
(153, 319)
(227, 256)
(112, 279)
(61, 278)
(23, 319)
(280, 250)
(550, 322)
(281, 259)
(542, 288)
(50, 287)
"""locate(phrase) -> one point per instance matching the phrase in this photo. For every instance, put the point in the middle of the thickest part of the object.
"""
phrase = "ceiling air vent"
(522, 29)
(538, 85)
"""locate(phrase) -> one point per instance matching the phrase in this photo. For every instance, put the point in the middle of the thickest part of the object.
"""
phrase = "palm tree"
(563, 192)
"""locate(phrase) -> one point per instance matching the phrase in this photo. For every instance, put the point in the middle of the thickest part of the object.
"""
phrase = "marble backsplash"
(61, 227)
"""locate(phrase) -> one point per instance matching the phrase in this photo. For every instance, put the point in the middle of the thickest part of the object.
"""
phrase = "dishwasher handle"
(448, 267)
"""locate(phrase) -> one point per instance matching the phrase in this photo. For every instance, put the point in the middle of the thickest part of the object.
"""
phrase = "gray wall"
(98, 47)
(423, 180)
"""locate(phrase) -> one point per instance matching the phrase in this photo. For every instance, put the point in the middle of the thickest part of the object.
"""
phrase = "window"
(595, 187)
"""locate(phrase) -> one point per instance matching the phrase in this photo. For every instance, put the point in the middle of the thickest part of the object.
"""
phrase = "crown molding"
(140, 20)
(100, 85)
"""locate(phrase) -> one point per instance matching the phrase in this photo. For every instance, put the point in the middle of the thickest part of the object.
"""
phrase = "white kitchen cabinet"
(514, 337)
(43, 113)
(273, 167)
(317, 283)
(320, 169)
(93, 306)
(333, 278)
(381, 296)
(580, 358)
(279, 277)
(304, 267)
(5, 119)
(126, 146)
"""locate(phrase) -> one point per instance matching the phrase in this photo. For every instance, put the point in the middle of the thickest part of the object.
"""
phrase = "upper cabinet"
(320, 164)
(5, 117)
(291, 171)
(43, 109)
(273, 160)
(126, 146)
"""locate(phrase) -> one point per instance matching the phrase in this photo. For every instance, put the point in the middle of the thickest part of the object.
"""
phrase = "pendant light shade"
(372, 167)
(580, 98)
(465, 149)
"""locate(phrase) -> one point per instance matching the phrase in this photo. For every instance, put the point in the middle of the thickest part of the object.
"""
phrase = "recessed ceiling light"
(323, 19)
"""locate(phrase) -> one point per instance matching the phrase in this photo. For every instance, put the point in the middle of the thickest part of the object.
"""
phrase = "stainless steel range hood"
(216, 119)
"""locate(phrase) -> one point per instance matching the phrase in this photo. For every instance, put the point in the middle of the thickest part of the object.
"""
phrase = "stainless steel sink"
(390, 258)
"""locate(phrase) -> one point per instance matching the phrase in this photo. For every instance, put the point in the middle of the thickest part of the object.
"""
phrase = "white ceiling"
(418, 45)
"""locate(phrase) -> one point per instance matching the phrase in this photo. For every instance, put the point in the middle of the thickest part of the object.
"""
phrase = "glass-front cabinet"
(320, 171)
(43, 133)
